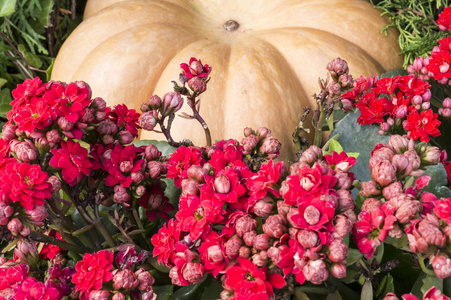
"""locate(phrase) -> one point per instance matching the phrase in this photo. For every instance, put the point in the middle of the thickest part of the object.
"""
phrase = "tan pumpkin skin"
(263, 73)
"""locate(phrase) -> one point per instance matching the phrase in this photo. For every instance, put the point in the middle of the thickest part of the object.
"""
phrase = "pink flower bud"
(293, 211)
(244, 252)
(99, 295)
(232, 247)
(196, 67)
(152, 152)
(407, 210)
(270, 146)
(263, 132)
(312, 154)
(25, 249)
(137, 177)
(444, 67)
(399, 143)
(245, 224)
(222, 184)
(337, 67)
(121, 195)
(442, 266)
(431, 156)
(346, 80)
(148, 121)
(264, 207)
(197, 173)
(260, 260)
(25, 231)
(312, 215)
(126, 166)
(447, 103)
(226, 295)
(140, 190)
(215, 254)
(155, 168)
(174, 275)
(125, 279)
(118, 296)
(275, 226)
(155, 102)
(64, 124)
(108, 139)
(172, 102)
(249, 237)
(38, 214)
(344, 180)
(383, 153)
(193, 272)
(316, 272)
(125, 137)
(6, 211)
(425, 105)
(9, 132)
(247, 131)
(145, 107)
(371, 204)
(26, 151)
(334, 88)
(343, 226)
(282, 208)
(384, 173)
(345, 200)
(107, 127)
(403, 164)
(197, 84)
(261, 242)
(392, 190)
(369, 189)
(145, 279)
(338, 251)
(249, 143)
(15, 226)
(100, 116)
(414, 158)
(308, 239)
(190, 187)
(338, 270)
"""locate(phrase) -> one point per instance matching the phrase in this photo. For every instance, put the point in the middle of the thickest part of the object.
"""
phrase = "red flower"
(444, 19)
(340, 161)
(24, 183)
(248, 280)
(181, 160)
(122, 164)
(35, 115)
(387, 85)
(49, 251)
(264, 181)
(315, 215)
(31, 288)
(440, 64)
(445, 43)
(92, 271)
(212, 253)
(29, 89)
(155, 202)
(129, 117)
(411, 86)
(195, 68)
(164, 241)
(371, 229)
(422, 125)
(69, 101)
(310, 183)
(225, 186)
(373, 109)
(443, 209)
(73, 159)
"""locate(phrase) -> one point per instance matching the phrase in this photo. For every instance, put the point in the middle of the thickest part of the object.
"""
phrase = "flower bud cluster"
(419, 68)
(260, 143)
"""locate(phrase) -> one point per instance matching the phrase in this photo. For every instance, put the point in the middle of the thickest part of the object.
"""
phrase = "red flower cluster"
(222, 202)
(399, 104)
(444, 19)
(432, 294)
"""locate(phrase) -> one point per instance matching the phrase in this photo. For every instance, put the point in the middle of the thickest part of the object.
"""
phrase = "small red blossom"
(181, 160)
(164, 241)
(340, 161)
(444, 19)
(155, 202)
(92, 271)
(123, 162)
(440, 64)
(443, 209)
(73, 159)
(422, 125)
(35, 115)
(264, 181)
(373, 110)
(24, 183)
(195, 68)
(129, 118)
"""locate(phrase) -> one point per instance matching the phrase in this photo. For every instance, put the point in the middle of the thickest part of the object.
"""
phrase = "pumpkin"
(266, 56)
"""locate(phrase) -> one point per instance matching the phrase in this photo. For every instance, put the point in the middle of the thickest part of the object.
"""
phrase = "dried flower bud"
(345, 81)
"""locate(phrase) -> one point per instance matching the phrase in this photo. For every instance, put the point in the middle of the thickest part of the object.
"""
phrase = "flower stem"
(100, 226)
(423, 266)
(42, 238)
(192, 103)
(318, 129)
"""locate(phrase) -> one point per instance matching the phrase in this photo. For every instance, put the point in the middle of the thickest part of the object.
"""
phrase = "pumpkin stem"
(231, 25)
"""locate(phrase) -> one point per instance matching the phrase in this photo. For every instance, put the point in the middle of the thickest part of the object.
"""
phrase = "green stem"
(100, 226)
(423, 266)
(318, 129)
(42, 238)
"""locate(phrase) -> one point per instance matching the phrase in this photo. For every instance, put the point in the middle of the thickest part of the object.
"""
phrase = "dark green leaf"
(212, 290)
(190, 292)
(387, 286)
(43, 15)
(31, 58)
(7, 7)
(394, 73)
(353, 256)
(163, 292)
(5, 99)
(379, 253)
(159, 267)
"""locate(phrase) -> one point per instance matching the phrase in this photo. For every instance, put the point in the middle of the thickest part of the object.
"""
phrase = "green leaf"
(163, 146)
(212, 290)
(353, 256)
(3, 81)
(431, 281)
(394, 73)
(156, 265)
(379, 253)
(335, 146)
(7, 7)
(334, 296)
(5, 99)
(189, 292)
(43, 15)
(387, 286)
(367, 291)
(299, 295)
(163, 292)
(48, 72)
(31, 58)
